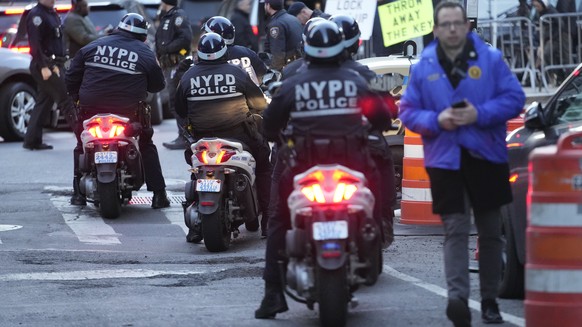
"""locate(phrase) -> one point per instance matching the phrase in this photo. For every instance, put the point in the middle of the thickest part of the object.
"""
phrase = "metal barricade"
(560, 45)
(515, 38)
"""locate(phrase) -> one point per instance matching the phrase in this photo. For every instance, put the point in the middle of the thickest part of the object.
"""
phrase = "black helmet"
(349, 27)
(309, 25)
(220, 26)
(134, 23)
(211, 47)
(324, 41)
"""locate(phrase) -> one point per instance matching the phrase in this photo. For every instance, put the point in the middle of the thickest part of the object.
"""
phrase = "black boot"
(458, 312)
(388, 232)
(274, 302)
(490, 312)
(77, 199)
(264, 221)
(194, 234)
(160, 200)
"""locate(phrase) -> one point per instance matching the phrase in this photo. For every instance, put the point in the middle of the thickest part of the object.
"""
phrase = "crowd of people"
(449, 102)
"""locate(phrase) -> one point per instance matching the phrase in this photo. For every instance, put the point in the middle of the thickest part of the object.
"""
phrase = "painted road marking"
(518, 321)
(4, 228)
(87, 225)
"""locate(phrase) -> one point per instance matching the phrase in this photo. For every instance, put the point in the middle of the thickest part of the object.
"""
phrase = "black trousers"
(149, 152)
(48, 92)
(260, 151)
(172, 80)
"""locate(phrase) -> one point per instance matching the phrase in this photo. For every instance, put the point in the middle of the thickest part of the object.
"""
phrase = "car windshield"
(569, 103)
(102, 17)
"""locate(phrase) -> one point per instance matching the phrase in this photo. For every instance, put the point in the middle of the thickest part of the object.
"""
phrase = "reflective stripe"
(133, 29)
(348, 43)
(556, 214)
(119, 69)
(212, 56)
(413, 151)
(324, 112)
(553, 281)
(214, 97)
(416, 194)
(318, 52)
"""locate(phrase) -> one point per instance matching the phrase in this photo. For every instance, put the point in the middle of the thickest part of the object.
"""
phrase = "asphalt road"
(66, 266)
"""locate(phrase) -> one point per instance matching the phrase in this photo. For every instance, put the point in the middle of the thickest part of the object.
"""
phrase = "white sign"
(363, 11)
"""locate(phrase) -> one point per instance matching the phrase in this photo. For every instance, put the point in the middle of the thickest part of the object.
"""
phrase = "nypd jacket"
(216, 96)
(114, 71)
(45, 35)
(248, 60)
(490, 86)
(173, 35)
(283, 38)
(325, 100)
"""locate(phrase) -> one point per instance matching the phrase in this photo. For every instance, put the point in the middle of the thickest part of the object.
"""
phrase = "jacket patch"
(474, 72)
(179, 21)
(274, 32)
(433, 77)
(37, 20)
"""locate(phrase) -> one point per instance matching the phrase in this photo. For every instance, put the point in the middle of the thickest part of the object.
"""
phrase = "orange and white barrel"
(514, 123)
(553, 271)
(416, 202)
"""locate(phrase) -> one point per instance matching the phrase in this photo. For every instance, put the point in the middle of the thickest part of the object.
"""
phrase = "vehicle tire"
(512, 275)
(17, 100)
(214, 231)
(157, 109)
(109, 201)
(333, 296)
(375, 265)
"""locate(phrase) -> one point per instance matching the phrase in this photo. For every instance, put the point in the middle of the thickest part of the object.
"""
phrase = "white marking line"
(4, 228)
(518, 321)
(176, 216)
(99, 274)
(87, 225)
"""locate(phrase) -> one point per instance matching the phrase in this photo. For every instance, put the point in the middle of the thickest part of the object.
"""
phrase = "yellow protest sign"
(405, 19)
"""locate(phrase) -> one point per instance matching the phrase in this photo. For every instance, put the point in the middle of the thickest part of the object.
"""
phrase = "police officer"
(45, 37)
(300, 64)
(327, 83)
(113, 75)
(173, 40)
(283, 35)
(379, 148)
(238, 55)
(217, 99)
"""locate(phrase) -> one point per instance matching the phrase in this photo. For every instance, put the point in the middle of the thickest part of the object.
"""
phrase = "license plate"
(105, 157)
(208, 185)
(330, 230)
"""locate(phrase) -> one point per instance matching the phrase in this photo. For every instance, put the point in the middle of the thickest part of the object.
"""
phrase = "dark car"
(543, 125)
(104, 14)
(17, 94)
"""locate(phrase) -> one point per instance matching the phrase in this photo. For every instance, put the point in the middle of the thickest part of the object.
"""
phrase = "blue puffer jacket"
(490, 86)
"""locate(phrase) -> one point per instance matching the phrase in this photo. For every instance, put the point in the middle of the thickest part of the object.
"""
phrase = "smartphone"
(460, 104)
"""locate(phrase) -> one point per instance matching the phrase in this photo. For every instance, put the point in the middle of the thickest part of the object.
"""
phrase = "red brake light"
(202, 156)
(224, 155)
(63, 8)
(14, 11)
(313, 193)
(344, 191)
(99, 132)
(21, 49)
(514, 145)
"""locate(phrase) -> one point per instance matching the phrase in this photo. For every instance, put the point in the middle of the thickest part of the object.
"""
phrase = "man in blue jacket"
(459, 98)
